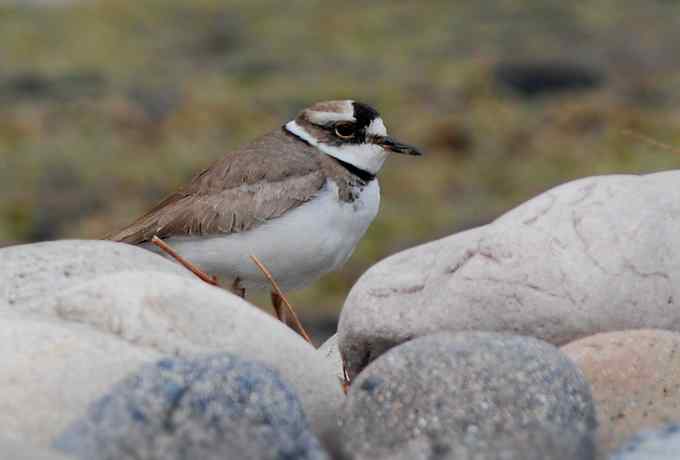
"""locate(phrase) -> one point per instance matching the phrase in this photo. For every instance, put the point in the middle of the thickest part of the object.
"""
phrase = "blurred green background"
(106, 106)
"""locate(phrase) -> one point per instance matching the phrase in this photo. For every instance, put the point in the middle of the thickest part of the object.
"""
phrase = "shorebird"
(299, 199)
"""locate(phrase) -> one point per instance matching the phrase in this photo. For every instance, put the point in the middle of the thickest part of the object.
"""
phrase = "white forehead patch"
(346, 113)
(376, 128)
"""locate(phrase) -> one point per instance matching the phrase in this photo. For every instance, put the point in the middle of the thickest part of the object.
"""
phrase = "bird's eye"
(344, 130)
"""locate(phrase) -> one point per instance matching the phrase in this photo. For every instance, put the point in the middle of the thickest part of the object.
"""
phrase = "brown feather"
(248, 186)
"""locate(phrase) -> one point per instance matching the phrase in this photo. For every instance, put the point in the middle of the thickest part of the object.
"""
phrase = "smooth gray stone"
(52, 369)
(594, 255)
(663, 444)
(207, 408)
(31, 271)
(12, 449)
(470, 396)
(145, 314)
(330, 351)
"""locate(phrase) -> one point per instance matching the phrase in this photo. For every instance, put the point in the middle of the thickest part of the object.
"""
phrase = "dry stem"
(296, 322)
(651, 141)
(185, 263)
(213, 281)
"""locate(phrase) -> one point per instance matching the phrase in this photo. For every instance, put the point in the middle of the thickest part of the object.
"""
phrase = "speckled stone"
(470, 396)
(635, 381)
(206, 408)
(663, 444)
(594, 255)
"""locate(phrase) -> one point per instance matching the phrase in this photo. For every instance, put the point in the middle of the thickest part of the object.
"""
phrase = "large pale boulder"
(11, 449)
(51, 370)
(593, 255)
(30, 271)
(329, 350)
(139, 316)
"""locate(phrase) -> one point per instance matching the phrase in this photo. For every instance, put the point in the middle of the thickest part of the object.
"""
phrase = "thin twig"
(185, 263)
(298, 325)
(651, 141)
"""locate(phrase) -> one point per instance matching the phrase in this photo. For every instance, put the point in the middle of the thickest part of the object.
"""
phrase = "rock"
(52, 369)
(159, 314)
(11, 449)
(469, 395)
(594, 255)
(330, 351)
(660, 445)
(211, 407)
(30, 271)
(635, 381)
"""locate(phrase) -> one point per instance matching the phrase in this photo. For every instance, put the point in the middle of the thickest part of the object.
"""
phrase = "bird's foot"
(277, 303)
(165, 247)
(238, 289)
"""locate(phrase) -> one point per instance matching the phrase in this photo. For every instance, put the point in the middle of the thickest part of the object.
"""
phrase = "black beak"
(395, 146)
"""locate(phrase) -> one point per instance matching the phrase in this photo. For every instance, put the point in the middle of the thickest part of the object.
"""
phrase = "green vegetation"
(107, 106)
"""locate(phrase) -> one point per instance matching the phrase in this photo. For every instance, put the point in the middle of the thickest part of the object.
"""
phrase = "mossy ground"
(105, 106)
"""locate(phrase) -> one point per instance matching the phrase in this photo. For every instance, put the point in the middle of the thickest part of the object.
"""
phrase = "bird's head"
(349, 131)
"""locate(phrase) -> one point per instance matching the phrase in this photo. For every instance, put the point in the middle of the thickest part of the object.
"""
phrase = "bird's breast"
(297, 247)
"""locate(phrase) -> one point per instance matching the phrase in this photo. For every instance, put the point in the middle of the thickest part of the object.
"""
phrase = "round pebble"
(213, 407)
(663, 444)
(470, 395)
(635, 381)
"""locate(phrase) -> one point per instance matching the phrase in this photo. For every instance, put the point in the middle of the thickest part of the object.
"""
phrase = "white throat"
(367, 157)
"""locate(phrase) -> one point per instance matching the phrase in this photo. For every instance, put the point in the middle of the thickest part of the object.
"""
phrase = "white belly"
(298, 247)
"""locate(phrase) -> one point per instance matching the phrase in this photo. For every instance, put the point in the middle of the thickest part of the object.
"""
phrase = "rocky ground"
(550, 333)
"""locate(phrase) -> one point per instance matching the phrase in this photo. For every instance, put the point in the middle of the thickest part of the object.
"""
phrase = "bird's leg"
(278, 299)
(277, 303)
(185, 263)
(287, 315)
(237, 289)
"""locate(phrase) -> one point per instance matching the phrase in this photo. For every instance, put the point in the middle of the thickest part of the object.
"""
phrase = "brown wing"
(247, 187)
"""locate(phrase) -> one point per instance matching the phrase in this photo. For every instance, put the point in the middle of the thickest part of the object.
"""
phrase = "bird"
(299, 198)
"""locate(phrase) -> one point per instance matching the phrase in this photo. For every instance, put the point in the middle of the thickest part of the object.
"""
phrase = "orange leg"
(279, 300)
(277, 303)
(287, 315)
